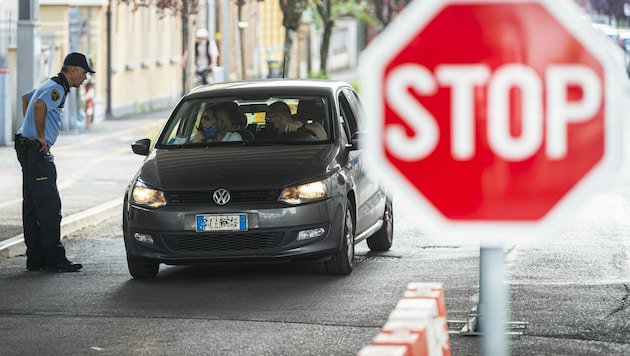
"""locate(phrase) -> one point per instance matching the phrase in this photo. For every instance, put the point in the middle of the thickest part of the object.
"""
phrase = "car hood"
(236, 167)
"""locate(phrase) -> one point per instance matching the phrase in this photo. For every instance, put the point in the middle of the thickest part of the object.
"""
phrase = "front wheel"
(342, 262)
(142, 269)
(383, 238)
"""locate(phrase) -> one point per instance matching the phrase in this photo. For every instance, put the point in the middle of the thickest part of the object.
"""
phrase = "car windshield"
(262, 120)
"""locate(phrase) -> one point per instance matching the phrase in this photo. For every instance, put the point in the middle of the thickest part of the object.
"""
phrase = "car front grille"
(238, 241)
(243, 196)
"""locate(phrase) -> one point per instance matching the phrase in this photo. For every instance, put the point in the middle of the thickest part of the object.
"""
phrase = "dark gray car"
(258, 197)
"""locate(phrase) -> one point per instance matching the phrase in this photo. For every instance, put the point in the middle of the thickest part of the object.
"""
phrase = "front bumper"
(168, 235)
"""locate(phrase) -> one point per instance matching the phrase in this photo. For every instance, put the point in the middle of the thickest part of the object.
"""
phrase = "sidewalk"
(93, 169)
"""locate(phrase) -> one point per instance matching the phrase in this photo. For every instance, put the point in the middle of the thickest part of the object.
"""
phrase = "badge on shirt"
(55, 95)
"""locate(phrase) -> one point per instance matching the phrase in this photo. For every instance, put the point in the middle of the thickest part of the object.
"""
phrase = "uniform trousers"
(41, 206)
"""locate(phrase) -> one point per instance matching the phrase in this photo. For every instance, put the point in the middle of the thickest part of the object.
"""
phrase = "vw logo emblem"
(221, 196)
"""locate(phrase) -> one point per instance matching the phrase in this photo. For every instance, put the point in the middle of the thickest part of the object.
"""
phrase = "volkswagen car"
(262, 198)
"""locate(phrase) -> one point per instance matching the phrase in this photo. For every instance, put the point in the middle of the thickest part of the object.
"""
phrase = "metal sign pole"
(494, 304)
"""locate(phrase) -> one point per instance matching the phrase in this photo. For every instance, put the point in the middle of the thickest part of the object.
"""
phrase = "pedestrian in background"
(206, 55)
(41, 206)
(89, 103)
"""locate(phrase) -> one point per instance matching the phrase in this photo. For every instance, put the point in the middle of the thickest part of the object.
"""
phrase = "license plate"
(231, 222)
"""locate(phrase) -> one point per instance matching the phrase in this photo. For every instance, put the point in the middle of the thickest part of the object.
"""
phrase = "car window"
(310, 121)
(350, 112)
(357, 109)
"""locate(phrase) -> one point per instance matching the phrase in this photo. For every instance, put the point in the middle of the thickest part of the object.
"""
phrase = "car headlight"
(146, 196)
(305, 193)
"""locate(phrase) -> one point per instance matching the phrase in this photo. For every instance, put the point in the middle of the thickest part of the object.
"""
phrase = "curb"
(15, 246)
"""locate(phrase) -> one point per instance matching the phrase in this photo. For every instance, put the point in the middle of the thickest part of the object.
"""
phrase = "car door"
(370, 200)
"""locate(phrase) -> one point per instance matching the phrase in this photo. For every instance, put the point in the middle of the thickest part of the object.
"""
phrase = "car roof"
(278, 86)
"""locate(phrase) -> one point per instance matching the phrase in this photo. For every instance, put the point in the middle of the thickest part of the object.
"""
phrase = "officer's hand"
(43, 143)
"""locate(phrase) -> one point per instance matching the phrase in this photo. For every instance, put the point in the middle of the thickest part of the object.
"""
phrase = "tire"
(342, 262)
(383, 238)
(142, 269)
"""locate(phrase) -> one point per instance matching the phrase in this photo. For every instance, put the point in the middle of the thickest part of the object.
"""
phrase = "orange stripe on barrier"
(416, 327)
(433, 291)
(409, 326)
(424, 311)
(382, 350)
(428, 290)
(416, 343)
(412, 326)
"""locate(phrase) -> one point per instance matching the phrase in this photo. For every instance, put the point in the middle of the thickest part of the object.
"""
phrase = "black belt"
(24, 143)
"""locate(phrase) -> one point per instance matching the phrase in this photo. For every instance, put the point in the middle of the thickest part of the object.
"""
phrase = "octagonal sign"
(496, 117)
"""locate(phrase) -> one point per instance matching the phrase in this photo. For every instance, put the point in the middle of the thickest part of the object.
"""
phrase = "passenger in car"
(279, 121)
(215, 126)
(312, 113)
(238, 120)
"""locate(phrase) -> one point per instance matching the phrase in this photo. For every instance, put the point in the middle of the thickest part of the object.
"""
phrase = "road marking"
(68, 182)
(77, 175)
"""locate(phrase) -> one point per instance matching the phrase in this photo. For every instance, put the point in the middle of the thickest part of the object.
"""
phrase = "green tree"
(385, 11)
(328, 12)
(378, 13)
(174, 7)
(325, 11)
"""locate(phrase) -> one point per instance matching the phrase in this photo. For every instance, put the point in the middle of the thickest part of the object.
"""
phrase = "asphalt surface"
(93, 168)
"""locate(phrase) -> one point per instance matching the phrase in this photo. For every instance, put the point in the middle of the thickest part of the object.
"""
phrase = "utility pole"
(225, 37)
(241, 37)
(28, 52)
(108, 110)
(186, 84)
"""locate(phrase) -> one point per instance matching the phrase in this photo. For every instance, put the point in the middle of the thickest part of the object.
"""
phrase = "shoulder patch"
(55, 95)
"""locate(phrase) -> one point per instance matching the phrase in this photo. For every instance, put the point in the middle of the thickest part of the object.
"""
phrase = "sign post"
(497, 118)
(493, 307)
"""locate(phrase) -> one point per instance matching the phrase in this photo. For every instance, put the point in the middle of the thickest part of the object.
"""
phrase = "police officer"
(41, 207)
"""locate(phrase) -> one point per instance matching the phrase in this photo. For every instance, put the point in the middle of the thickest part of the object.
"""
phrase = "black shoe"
(65, 266)
(35, 264)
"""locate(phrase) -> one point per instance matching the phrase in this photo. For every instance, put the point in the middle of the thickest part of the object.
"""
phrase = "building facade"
(138, 53)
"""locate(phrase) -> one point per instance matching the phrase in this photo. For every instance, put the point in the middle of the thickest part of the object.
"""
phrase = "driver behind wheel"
(279, 121)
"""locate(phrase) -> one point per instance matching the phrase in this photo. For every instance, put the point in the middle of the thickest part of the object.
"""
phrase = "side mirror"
(141, 147)
(357, 141)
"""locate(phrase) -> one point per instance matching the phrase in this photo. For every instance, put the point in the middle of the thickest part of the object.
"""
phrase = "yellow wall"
(146, 52)
(272, 32)
(146, 59)
(146, 49)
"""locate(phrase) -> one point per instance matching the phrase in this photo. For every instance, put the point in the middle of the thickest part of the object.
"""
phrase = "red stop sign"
(492, 113)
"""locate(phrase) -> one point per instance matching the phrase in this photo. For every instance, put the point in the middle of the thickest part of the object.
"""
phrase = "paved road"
(572, 291)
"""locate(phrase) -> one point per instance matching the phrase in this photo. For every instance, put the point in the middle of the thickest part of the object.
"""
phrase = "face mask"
(212, 131)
